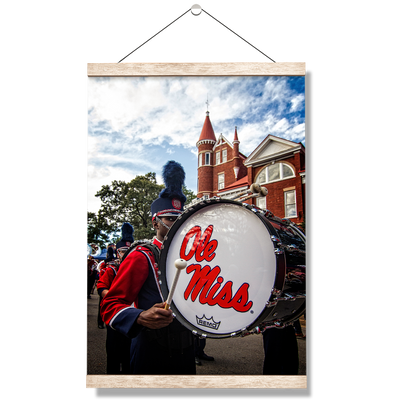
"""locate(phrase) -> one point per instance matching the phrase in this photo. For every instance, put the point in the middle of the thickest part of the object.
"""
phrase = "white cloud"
(281, 126)
(297, 102)
(297, 133)
(136, 124)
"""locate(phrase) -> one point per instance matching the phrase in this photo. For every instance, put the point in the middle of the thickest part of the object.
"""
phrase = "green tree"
(96, 228)
(126, 202)
(129, 202)
(188, 193)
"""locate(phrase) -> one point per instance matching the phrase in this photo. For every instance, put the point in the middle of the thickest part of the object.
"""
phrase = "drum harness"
(174, 336)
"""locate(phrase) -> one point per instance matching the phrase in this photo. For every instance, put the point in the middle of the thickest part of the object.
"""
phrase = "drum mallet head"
(255, 188)
(180, 264)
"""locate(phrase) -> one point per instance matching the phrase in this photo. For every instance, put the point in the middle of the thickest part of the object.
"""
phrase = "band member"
(112, 266)
(110, 253)
(117, 345)
(134, 305)
(91, 277)
(110, 261)
(281, 355)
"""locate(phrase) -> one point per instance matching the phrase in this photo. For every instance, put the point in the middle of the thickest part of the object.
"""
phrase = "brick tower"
(205, 147)
(236, 158)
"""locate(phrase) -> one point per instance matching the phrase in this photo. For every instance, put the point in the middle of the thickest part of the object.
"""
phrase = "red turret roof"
(207, 133)
(235, 138)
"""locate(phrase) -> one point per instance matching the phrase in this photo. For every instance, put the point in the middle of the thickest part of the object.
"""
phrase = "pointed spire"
(207, 133)
(235, 138)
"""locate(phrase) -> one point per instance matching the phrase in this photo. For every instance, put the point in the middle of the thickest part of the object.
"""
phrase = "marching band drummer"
(117, 345)
(133, 306)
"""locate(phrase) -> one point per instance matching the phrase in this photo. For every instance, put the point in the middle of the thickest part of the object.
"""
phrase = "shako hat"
(127, 236)
(110, 254)
(171, 200)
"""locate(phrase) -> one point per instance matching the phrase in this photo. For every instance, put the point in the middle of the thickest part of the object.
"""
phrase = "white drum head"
(228, 292)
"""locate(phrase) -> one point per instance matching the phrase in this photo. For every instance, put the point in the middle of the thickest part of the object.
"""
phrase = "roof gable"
(221, 141)
(270, 148)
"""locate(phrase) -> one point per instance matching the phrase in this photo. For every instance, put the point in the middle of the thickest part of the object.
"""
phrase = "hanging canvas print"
(196, 225)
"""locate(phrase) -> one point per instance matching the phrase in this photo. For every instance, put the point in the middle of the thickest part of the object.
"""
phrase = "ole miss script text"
(206, 283)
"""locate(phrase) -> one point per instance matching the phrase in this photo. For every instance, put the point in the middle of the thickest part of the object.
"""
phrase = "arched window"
(275, 172)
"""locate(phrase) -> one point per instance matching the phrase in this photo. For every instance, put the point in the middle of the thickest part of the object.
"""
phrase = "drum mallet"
(180, 264)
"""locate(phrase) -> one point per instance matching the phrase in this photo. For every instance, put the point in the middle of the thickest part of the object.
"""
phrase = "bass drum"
(245, 269)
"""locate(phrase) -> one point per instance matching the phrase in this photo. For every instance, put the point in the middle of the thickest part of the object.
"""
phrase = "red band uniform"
(135, 295)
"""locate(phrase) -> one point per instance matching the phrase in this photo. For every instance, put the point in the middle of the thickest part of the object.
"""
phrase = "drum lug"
(268, 214)
(276, 292)
(275, 239)
(279, 249)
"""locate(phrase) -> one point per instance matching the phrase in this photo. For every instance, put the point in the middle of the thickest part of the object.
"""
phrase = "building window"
(287, 171)
(262, 202)
(290, 204)
(275, 172)
(261, 176)
(217, 159)
(200, 159)
(224, 155)
(221, 181)
(207, 160)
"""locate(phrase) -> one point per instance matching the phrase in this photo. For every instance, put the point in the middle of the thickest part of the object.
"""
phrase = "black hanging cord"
(205, 12)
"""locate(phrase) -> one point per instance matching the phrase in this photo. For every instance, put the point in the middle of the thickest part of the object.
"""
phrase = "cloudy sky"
(135, 125)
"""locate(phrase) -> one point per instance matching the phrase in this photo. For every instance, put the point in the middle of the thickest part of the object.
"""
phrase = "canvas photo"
(213, 171)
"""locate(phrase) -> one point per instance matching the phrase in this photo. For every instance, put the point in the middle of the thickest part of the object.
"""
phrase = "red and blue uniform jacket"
(107, 276)
(134, 289)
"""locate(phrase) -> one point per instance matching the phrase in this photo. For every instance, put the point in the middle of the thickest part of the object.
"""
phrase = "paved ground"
(236, 356)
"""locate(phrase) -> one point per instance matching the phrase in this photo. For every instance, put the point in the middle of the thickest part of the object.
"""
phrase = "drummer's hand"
(155, 317)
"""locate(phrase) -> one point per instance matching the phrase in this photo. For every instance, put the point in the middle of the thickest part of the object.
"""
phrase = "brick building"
(277, 164)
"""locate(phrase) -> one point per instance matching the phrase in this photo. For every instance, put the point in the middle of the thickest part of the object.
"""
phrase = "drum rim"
(279, 274)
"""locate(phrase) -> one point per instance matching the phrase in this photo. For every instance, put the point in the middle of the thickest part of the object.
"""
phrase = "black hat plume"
(174, 176)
